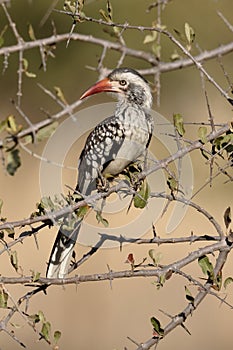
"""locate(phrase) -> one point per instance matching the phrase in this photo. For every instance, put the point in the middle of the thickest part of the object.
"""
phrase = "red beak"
(102, 85)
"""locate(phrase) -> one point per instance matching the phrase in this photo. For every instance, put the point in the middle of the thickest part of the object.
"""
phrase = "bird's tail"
(62, 250)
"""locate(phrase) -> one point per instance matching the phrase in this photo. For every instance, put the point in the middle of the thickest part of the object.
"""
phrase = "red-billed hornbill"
(114, 143)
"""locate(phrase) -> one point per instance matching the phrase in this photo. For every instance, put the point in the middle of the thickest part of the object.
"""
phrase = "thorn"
(154, 230)
(110, 276)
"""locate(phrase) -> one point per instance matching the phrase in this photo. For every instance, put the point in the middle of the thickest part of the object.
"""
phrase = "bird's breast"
(137, 124)
(137, 130)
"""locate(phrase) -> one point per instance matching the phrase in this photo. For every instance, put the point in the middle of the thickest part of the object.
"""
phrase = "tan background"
(93, 315)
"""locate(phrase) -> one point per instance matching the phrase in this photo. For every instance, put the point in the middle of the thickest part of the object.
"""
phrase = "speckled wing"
(101, 148)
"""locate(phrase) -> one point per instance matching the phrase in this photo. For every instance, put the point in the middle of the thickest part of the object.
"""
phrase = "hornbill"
(113, 144)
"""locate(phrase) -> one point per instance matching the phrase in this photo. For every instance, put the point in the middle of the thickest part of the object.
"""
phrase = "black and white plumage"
(114, 143)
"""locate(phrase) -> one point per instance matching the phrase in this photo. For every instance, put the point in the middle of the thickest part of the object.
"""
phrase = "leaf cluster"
(45, 328)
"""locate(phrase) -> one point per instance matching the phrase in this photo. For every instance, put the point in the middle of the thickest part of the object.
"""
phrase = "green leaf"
(41, 316)
(175, 56)
(189, 33)
(159, 25)
(156, 49)
(46, 131)
(35, 276)
(82, 211)
(189, 296)
(152, 254)
(225, 142)
(157, 327)
(47, 203)
(2, 34)
(3, 125)
(206, 266)
(150, 38)
(155, 257)
(104, 15)
(202, 133)
(108, 17)
(13, 161)
(172, 183)
(14, 260)
(25, 64)
(11, 125)
(31, 32)
(34, 318)
(178, 123)
(45, 330)
(25, 69)
(227, 281)
(60, 94)
(162, 280)
(69, 7)
(80, 4)
(3, 298)
(30, 74)
(109, 9)
(141, 197)
(101, 220)
(56, 336)
(27, 139)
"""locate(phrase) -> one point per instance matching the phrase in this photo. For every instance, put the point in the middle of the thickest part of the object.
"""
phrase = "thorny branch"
(165, 32)
(190, 308)
(120, 186)
(151, 272)
(221, 242)
(158, 67)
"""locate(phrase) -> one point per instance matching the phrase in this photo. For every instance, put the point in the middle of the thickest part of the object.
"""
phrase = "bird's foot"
(135, 181)
(102, 183)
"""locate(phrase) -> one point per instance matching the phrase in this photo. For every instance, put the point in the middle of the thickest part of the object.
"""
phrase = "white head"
(130, 86)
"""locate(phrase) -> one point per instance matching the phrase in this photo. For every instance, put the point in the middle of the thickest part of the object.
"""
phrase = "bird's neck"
(142, 108)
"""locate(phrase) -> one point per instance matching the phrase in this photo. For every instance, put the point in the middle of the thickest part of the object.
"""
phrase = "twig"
(148, 57)
(21, 43)
(190, 308)
(225, 21)
(123, 186)
(12, 24)
(159, 30)
(188, 202)
(152, 272)
(48, 12)
(26, 118)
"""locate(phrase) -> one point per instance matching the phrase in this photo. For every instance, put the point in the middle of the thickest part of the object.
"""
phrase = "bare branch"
(150, 58)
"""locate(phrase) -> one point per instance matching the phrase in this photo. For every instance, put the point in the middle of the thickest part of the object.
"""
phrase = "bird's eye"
(123, 82)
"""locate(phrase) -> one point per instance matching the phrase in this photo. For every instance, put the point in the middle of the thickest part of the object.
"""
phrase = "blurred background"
(98, 315)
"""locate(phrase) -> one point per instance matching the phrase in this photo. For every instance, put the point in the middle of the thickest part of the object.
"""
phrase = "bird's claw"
(102, 184)
(135, 181)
